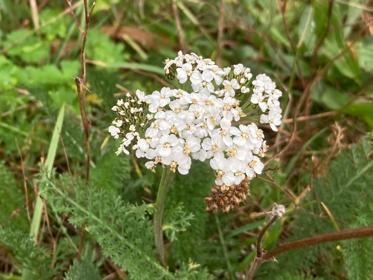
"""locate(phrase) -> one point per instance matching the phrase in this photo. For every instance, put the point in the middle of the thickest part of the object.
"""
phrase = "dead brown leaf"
(145, 38)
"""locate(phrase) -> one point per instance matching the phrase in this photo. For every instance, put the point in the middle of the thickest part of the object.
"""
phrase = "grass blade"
(35, 224)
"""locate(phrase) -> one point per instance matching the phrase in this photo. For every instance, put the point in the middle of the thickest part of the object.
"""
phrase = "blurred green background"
(319, 52)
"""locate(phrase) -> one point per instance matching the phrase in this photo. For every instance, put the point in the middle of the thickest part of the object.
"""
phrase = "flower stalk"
(164, 185)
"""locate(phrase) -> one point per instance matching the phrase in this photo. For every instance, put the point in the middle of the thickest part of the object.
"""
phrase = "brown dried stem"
(179, 27)
(81, 80)
(221, 25)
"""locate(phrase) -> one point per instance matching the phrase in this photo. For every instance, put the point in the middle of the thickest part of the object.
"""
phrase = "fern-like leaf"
(115, 225)
(11, 201)
(83, 269)
(26, 254)
(343, 199)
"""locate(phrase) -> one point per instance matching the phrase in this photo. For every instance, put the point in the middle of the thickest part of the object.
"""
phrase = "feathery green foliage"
(83, 269)
(176, 221)
(346, 193)
(191, 192)
(111, 171)
(11, 201)
(27, 254)
(115, 225)
(358, 255)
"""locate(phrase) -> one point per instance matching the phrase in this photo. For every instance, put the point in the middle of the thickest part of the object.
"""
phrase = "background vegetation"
(320, 53)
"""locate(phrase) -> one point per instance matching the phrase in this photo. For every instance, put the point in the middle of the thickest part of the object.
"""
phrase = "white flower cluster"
(130, 119)
(202, 122)
(278, 210)
(266, 96)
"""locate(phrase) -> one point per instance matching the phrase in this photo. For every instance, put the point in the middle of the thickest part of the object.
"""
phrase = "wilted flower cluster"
(201, 121)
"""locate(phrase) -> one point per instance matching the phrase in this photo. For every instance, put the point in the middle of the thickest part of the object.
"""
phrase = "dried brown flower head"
(225, 198)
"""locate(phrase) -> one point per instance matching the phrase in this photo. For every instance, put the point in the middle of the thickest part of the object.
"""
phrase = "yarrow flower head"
(206, 119)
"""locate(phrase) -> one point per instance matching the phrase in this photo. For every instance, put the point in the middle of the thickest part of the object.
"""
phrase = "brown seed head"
(225, 198)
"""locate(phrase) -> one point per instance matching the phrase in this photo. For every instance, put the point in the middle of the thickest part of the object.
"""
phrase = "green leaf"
(111, 171)
(346, 191)
(11, 201)
(83, 269)
(334, 39)
(8, 73)
(245, 228)
(358, 257)
(364, 53)
(52, 28)
(362, 110)
(29, 257)
(101, 48)
(114, 224)
(191, 192)
(31, 50)
(305, 28)
(347, 64)
(329, 96)
(176, 220)
(340, 101)
(320, 8)
(36, 219)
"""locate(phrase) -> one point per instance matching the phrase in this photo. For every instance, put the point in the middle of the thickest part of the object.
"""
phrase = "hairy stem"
(158, 213)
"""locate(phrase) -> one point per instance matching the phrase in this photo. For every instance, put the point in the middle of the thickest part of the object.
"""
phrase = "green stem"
(223, 245)
(158, 212)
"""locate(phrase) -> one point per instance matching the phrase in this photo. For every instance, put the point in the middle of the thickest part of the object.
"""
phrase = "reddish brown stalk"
(81, 89)
(319, 239)
(179, 27)
(258, 260)
(259, 250)
(311, 241)
(221, 24)
(81, 80)
(27, 201)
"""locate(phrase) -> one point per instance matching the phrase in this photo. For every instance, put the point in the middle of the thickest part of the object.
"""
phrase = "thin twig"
(81, 83)
(221, 24)
(179, 27)
(82, 90)
(312, 117)
(258, 260)
(27, 201)
(74, 16)
(259, 250)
